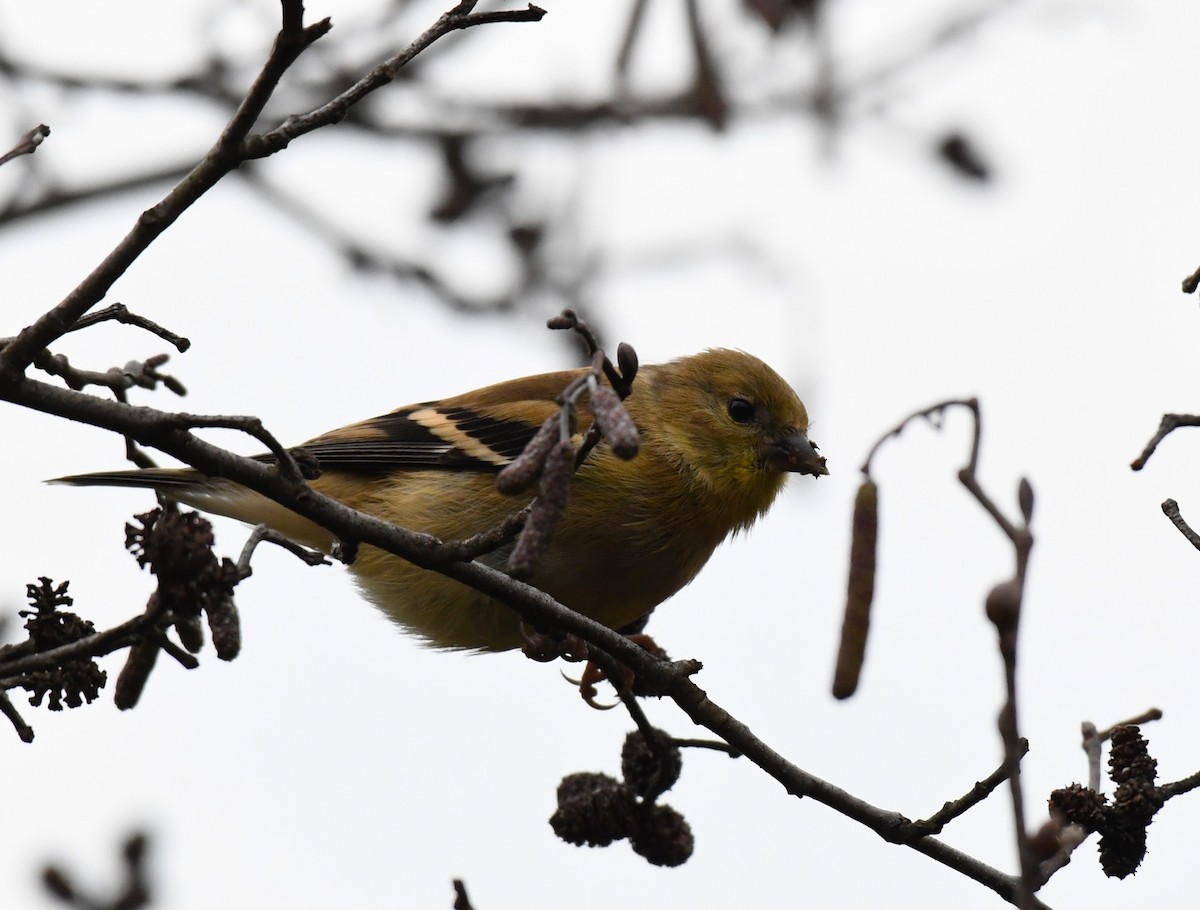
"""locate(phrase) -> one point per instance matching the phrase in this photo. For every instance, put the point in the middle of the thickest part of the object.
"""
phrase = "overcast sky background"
(336, 763)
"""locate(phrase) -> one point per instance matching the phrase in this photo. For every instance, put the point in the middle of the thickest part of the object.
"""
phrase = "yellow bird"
(720, 432)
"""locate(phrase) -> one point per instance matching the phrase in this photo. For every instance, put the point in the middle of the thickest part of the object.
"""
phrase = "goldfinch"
(720, 432)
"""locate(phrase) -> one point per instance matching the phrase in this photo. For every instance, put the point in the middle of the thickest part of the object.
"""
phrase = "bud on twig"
(1004, 606)
(627, 360)
(1025, 499)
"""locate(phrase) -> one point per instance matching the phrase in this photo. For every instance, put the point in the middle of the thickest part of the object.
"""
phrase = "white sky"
(335, 763)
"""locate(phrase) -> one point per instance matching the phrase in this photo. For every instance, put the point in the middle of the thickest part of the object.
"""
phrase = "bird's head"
(736, 423)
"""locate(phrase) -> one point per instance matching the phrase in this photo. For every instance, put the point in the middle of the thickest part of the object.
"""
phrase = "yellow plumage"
(720, 432)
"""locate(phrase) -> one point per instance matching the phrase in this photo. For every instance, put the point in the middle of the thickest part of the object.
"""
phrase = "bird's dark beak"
(795, 454)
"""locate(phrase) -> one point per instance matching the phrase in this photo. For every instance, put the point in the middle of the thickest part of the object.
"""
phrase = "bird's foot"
(625, 681)
(547, 646)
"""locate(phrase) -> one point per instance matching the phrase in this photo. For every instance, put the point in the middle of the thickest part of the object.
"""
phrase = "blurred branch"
(361, 257)
(958, 27)
(460, 17)
(234, 146)
(27, 144)
(461, 901)
(134, 891)
(222, 158)
(55, 198)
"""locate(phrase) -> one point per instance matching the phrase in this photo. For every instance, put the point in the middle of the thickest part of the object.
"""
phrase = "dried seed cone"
(615, 423)
(546, 511)
(860, 590)
(131, 682)
(1137, 799)
(641, 766)
(1122, 849)
(581, 783)
(663, 837)
(593, 809)
(524, 470)
(1080, 805)
(190, 631)
(224, 627)
(1129, 759)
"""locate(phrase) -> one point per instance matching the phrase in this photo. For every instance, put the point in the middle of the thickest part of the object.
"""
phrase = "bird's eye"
(741, 410)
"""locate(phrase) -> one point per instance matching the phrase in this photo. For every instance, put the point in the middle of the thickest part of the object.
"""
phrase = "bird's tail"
(163, 479)
(210, 494)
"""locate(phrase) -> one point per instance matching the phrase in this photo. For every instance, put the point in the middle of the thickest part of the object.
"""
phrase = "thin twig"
(1176, 788)
(334, 111)
(141, 373)
(492, 539)
(1093, 748)
(263, 533)
(184, 658)
(284, 460)
(1004, 609)
(973, 797)
(1147, 716)
(118, 312)
(712, 744)
(9, 710)
(19, 661)
(633, 29)
(1171, 509)
(1191, 282)
(1168, 425)
(27, 144)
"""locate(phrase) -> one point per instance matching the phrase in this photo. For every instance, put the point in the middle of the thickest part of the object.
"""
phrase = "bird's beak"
(795, 454)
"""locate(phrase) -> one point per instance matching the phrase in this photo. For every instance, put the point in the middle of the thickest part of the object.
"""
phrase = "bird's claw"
(545, 647)
(624, 683)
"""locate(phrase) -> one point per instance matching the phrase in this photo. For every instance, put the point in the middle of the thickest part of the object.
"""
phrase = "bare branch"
(1169, 424)
(1171, 509)
(118, 312)
(263, 533)
(973, 797)
(270, 142)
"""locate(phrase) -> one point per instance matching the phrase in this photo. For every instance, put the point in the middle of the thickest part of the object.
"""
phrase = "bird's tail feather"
(210, 494)
(164, 479)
